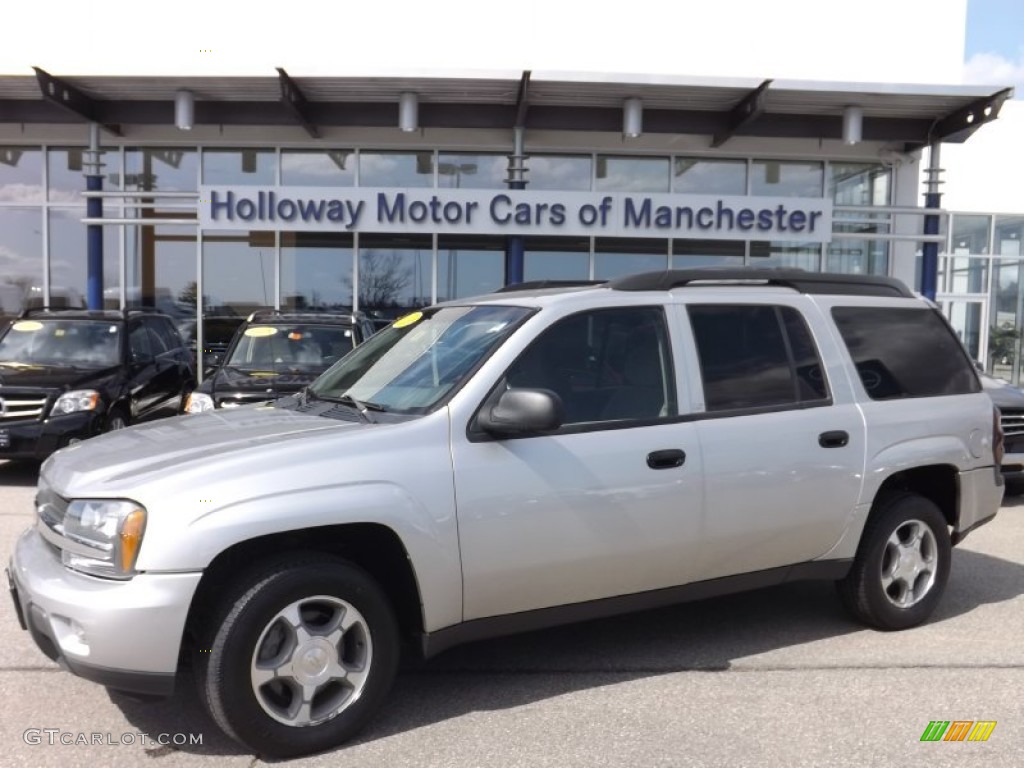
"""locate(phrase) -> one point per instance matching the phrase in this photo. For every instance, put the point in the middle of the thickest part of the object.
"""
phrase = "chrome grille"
(21, 407)
(1012, 421)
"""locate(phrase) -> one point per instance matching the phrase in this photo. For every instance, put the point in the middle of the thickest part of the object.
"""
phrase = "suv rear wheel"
(300, 656)
(902, 564)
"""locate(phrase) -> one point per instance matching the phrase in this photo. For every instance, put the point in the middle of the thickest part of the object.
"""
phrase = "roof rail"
(536, 285)
(28, 311)
(796, 279)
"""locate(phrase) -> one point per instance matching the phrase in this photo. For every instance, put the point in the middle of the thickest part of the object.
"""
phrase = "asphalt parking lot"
(778, 677)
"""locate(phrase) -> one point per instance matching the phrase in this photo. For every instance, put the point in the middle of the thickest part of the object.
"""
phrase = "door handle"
(666, 459)
(837, 438)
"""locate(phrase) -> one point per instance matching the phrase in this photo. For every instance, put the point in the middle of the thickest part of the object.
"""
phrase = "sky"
(994, 47)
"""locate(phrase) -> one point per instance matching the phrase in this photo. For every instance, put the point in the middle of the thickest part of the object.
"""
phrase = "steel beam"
(959, 125)
(746, 111)
(293, 98)
(66, 96)
(523, 100)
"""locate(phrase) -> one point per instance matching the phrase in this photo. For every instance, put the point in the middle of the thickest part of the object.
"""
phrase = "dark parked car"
(276, 353)
(1010, 402)
(69, 375)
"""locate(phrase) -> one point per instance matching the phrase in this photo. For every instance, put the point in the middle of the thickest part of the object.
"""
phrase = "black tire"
(249, 624)
(116, 419)
(878, 590)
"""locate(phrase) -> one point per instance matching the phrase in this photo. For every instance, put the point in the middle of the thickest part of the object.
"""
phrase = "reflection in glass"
(859, 183)
(395, 274)
(570, 172)
(1009, 235)
(632, 174)
(161, 266)
(470, 171)
(396, 169)
(1008, 299)
(21, 174)
(615, 257)
(239, 166)
(694, 176)
(318, 168)
(316, 270)
(168, 169)
(782, 254)
(707, 253)
(21, 259)
(786, 178)
(556, 258)
(66, 172)
(238, 273)
(68, 267)
(469, 266)
(857, 257)
(970, 234)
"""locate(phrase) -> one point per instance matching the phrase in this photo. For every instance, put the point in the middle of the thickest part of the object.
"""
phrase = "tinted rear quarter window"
(755, 356)
(907, 352)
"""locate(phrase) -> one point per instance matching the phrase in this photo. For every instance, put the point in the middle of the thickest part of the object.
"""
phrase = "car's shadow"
(19, 473)
(513, 671)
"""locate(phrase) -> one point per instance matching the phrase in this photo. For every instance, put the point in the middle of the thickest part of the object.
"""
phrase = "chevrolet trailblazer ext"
(509, 462)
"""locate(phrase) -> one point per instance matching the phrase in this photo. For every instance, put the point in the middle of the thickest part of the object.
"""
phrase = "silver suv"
(511, 462)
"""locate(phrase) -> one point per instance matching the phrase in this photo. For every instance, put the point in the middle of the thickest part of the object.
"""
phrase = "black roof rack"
(798, 280)
(536, 285)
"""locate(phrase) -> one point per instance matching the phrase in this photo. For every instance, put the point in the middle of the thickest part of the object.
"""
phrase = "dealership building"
(211, 196)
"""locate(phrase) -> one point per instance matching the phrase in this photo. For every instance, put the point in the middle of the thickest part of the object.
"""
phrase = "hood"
(1002, 393)
(214, 443)
(52, 376)
(280, 382)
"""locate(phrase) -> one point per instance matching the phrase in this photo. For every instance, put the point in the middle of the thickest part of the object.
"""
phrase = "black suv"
(69, 375)
(277, 353)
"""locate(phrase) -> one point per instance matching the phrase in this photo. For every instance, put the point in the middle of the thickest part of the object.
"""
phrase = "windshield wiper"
(358, 406)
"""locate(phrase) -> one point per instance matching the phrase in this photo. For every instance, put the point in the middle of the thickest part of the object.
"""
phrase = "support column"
(94, 232)
(932, 199)
(515, 244)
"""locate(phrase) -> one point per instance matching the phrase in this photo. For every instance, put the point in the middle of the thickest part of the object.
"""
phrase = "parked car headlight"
(198, 402)
(104, 536)
(76, 400)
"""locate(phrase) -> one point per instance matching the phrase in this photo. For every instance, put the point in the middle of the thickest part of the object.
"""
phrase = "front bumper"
(122, 634)
(38, 439)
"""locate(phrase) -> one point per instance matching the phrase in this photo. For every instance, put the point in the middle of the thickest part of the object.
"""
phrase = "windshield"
(289, 346)
(75, 343)
(417, 360)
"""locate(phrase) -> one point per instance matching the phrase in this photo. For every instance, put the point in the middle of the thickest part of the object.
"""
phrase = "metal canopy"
(721, 108)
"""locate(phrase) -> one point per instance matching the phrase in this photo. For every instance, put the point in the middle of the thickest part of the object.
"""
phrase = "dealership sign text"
(515, 212)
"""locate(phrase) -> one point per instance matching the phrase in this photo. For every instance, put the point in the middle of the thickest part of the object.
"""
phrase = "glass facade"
(167, 264)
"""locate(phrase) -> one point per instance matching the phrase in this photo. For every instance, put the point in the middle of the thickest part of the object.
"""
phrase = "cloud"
(996, 69)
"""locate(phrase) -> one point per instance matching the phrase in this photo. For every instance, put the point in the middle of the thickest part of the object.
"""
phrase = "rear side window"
(905, 352)
(755, 356)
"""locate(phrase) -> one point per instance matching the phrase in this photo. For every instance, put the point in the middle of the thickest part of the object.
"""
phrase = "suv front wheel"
(302, 655)
(902, 564)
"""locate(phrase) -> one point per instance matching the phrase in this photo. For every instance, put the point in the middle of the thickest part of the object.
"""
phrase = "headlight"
(104, 536)
(76, 400)
(198, 402)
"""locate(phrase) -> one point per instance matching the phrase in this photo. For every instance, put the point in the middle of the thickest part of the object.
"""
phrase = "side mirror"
(522, 412)
(212, 360)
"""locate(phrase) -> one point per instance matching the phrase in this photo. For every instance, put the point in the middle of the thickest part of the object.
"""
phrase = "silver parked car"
(510, 462)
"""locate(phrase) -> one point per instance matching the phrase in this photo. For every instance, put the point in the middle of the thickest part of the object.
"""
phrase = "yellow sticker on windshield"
(412, 317)
(27, 325)
(260, 330)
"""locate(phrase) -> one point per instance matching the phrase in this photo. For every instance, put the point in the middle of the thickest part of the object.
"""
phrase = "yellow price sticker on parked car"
(412, 317)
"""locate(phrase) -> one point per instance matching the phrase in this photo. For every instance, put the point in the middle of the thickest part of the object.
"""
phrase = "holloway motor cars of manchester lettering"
(516, 212)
